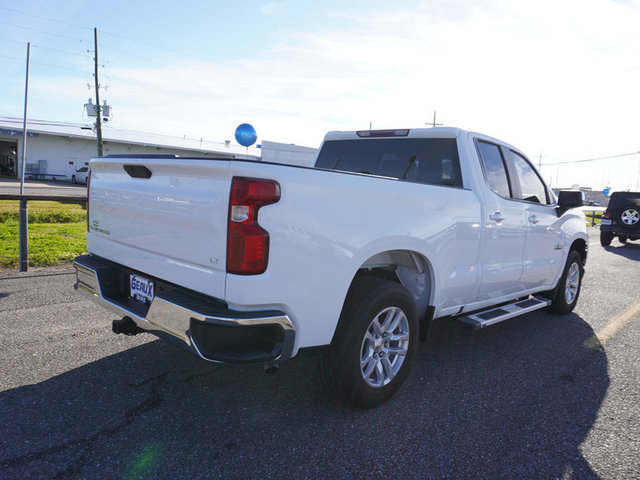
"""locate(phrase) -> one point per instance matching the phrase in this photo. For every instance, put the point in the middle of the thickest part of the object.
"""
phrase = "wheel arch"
(580, 246)
(409, 268)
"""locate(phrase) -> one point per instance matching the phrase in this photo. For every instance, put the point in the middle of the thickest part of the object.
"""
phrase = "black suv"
(622, 218)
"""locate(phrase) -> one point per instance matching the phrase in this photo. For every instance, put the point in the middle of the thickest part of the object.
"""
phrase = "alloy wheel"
(384, 347)
(572, 284)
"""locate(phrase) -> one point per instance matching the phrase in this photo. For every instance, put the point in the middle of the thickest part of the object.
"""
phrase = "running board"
(488, 317)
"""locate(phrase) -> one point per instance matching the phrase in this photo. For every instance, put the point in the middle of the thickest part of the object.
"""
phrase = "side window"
(531, 186)
(494, 168)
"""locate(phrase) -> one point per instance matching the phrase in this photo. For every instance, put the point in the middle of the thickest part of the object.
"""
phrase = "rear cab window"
(432, 161)
(511, 175)
(495, 169)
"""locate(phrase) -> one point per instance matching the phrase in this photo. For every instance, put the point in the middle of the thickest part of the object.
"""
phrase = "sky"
(559, 79)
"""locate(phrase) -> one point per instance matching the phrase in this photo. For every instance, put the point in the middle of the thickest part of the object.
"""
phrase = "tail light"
(88, 186)
(606, 215)
(248, 242)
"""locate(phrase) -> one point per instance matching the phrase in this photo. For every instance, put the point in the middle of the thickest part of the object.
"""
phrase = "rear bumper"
(202, 324)
(631, 233)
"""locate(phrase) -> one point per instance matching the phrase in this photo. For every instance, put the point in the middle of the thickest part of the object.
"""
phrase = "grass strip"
(49, 243)
(57, 232)
(591, 220)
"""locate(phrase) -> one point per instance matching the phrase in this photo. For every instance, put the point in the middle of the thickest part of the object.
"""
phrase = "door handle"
(533, 219)
(497, 217)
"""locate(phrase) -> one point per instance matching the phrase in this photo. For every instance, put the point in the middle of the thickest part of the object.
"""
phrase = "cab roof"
(437, 132)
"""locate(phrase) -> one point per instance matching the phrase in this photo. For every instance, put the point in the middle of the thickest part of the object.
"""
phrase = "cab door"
(543, 250)
(505, 227)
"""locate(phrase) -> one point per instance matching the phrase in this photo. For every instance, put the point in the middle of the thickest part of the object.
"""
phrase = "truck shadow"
(513, 401)
(531, 393)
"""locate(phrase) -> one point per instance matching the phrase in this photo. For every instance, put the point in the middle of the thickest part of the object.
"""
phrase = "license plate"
(605, 222)
(141, 288)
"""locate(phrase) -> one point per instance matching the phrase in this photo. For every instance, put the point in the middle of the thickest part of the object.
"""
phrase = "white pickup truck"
(244, 261)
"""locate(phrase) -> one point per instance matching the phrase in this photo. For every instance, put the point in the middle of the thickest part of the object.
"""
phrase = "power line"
(74, 25)
(44, 18)
(82, 40)
(591, 159)
(159, 47)
(131, 55)
(12, 40)
(43, 31)
(141, 42)
(12, 58)
(83, 55)
(44, 64)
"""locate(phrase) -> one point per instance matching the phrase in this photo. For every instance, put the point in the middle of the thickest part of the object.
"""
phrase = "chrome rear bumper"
(202, 324)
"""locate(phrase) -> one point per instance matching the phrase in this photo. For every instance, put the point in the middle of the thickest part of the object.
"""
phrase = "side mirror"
(568, 199)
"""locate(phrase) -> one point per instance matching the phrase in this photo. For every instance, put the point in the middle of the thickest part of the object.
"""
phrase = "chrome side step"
(493, 315)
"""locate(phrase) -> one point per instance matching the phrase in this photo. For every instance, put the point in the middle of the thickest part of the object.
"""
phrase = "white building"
(288, 153)
(56, 149)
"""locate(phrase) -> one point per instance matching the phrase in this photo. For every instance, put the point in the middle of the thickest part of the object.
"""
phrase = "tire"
(568, 291)
(630, 217)
(374, 344)
(605, 238)
(623, 239)
(73, 179)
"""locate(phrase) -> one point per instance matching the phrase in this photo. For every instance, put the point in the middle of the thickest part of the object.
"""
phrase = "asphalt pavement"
(535, 397)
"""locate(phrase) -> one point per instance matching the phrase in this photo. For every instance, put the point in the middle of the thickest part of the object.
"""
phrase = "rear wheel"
(605, 238)
(568, 291)
(374, 344)
(73, 179)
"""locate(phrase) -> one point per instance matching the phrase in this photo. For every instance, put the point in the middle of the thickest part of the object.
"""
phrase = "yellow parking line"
(613, 326)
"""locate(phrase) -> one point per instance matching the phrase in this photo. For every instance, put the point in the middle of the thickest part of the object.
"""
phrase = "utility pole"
(98, 108)
(23, 216)
(24, 121)
(434, 124)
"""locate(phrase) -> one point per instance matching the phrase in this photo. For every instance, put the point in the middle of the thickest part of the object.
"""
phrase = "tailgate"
(171, 225)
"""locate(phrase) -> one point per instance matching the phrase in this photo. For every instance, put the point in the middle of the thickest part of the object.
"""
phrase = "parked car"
(621, 219)
(80, 175)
